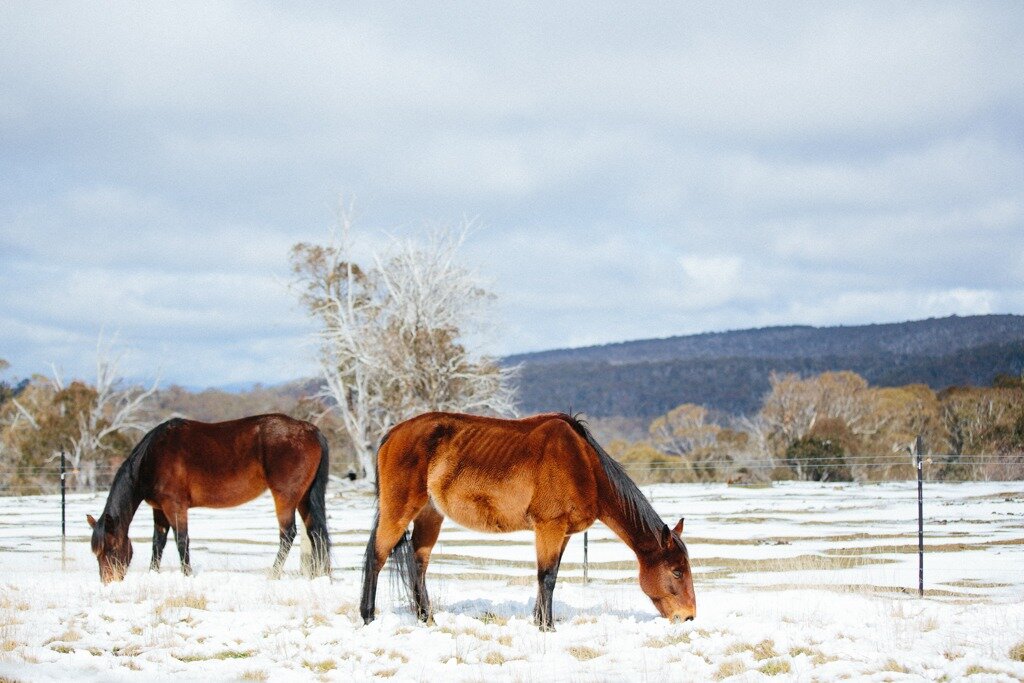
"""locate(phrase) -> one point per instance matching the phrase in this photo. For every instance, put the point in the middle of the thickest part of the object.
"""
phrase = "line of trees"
(834, 426)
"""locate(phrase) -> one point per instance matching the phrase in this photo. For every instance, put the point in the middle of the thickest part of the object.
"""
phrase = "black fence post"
(919, 463)
(586, 563)
(63, 510)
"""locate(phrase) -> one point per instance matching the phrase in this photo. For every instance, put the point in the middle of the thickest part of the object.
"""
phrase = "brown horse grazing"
(544, 473)
(182, 464)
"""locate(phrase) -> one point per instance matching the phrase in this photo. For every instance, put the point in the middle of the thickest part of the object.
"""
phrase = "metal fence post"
(586, 564)
(63, 510)
(919, 462)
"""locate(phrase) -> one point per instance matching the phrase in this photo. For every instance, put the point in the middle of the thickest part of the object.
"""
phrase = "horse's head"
(111, 546)
(665, 576)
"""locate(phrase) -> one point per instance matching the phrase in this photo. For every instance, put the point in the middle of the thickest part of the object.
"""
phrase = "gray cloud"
(636, 173)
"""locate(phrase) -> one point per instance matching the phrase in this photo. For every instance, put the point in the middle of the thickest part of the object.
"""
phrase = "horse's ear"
(91, 520)
(666, 536)
(678, 531)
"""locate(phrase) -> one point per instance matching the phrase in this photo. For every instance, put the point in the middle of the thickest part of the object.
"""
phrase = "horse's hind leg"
(317, 533)
(286, 523)
(551, 541)
(161, 526)
(424, 535)
(393, 516)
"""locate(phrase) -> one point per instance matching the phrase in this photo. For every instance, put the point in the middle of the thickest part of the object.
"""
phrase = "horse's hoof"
(544, 626)
(367, 620)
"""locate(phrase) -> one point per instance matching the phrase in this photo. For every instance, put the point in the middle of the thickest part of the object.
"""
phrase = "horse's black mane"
(124, 495)
(632, 499)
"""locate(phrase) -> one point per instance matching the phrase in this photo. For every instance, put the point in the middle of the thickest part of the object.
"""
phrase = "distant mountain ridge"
(729, 371)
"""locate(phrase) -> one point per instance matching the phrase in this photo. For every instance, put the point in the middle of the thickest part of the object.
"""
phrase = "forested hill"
(729, 371)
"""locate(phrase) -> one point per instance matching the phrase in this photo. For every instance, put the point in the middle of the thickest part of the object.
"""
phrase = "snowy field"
(794, 582)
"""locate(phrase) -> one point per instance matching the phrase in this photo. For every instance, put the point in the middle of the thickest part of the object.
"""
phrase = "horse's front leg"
(160, 528)
(178, 519)
(551, 541)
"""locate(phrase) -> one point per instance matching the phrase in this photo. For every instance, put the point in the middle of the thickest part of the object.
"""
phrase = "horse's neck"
(628, 525)
(123, 501)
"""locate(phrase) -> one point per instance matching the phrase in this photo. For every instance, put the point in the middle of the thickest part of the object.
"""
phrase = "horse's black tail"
(403, 563)
(403, 571)
(317, 497)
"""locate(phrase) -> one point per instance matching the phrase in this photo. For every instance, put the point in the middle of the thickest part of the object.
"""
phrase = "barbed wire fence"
(47, 480)
(905, 467)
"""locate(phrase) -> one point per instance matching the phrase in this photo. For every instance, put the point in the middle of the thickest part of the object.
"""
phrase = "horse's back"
(223, 464)
(492, 474)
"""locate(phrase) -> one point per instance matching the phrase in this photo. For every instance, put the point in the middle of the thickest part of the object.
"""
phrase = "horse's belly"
(482, 517)
(489, 507)
(227, 493)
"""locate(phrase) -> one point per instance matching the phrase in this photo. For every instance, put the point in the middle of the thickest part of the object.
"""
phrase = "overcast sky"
(635, 171)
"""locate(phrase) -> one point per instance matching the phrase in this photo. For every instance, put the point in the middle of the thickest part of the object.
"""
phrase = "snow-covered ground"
(794, 582)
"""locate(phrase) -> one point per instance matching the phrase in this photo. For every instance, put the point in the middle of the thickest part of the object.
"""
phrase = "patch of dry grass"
(390, 654)
(1017, 652)
(729, 668)
(584, 653)
(177, 602)
(69, 636)
(761, 651)
(977, 669)
(322, 666)
(775, 667)
(722, 567)
(816, 656)
(492, 618)
(895, 667)
(8, 631)
(669, 640)
(933, 548)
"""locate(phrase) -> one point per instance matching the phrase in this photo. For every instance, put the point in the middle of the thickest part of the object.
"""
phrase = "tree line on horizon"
(831, 426)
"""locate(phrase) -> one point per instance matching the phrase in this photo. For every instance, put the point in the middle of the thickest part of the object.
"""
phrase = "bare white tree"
(683, 429)
(756, 460)
(433, 304)
(115, 408)
(392, 337)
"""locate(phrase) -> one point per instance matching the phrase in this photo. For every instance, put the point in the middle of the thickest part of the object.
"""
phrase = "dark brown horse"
(544, 473)
(182, 464)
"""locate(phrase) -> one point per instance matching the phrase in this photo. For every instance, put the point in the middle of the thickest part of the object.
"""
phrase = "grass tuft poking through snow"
(583, 653)
(775, 667)
(730, 668)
